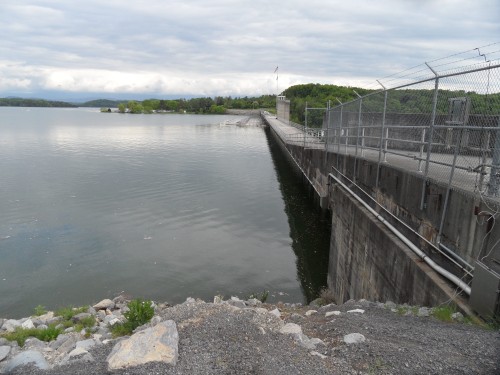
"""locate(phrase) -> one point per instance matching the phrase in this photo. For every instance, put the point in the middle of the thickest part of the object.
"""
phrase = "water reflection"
(310, 227)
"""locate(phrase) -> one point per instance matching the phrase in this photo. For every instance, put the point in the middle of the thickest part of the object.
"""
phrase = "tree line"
(204, 105)
(20, 102)
(409, 101)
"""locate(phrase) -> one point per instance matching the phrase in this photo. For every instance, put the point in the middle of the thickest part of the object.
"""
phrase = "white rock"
(34, 343)
(190, 300)
(315, 353)
(457, 316)
(254, 302)
(308, 343)
(77, 351)
(358, 311)
(275, 312)
(354, 338)
(85, 344)
(291, 329)
(261, 310)
(23, 358)
(310, 312)
(28, 324)
(424, 311)
(104, 304)
(218, 299)
(158, 344)
(48, 318)
(332, 313)
(4, 352)
(111, 320)
(10, 325)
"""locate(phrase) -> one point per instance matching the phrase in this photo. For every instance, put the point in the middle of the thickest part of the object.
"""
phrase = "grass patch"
(69, 312)
(443, 313)
(40, 310)
(262, 297)
(140, 312)
(22, 334)
(122, 329)
(377, 366)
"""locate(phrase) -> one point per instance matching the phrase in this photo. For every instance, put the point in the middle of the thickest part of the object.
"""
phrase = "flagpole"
(277, 86)
(277, 89)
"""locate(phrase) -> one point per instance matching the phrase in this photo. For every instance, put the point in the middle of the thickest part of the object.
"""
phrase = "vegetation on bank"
(140, 312)
(203, 105)
(398, 101)
(20, 102)
(217, 105)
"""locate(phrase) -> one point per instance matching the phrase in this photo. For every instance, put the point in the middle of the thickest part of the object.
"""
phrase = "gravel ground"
(221, 339)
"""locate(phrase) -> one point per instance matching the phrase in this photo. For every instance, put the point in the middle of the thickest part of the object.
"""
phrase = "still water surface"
(157, 206)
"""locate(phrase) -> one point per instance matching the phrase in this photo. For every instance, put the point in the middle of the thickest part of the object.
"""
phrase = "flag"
(275, 70)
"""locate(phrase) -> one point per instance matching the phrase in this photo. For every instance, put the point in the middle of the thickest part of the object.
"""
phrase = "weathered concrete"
(367, 261)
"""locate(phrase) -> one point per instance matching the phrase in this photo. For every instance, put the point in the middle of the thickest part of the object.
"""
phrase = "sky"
(91, 49)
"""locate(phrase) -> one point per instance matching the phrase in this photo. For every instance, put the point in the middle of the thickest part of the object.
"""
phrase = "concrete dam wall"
(366, 259)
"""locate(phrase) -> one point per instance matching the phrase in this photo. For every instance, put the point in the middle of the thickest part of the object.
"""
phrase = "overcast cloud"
(227, 47)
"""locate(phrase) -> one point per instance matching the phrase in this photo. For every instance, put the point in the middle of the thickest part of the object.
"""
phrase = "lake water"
(157, 206)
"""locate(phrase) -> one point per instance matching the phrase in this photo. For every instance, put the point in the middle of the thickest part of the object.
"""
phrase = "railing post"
(422, 141)
(305, 127)
(495, 166)
(340, 127)
(431, 135)
(359, 120)
(357, 134)
(450, 180)
(381, 136)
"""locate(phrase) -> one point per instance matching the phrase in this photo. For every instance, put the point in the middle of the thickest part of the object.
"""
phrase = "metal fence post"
(357, 134)
(305, 127)
(450, 180)
(431, 135)
(381, 136)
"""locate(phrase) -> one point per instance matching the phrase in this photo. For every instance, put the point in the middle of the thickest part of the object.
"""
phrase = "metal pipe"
(455, 280)
(454, 255)
(408, 227)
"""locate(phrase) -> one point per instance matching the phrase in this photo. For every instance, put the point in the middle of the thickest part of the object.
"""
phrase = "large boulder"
(4, 352)
(155, 344)
(104, 304)
(27, 357)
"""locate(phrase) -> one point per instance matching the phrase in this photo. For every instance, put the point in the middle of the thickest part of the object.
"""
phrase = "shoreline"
(245, 336)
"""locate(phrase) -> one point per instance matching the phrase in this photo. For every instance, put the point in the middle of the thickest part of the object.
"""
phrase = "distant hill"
(100, 103)
(20, 102)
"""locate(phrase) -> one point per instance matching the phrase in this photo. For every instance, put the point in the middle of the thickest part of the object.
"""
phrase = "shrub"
(140, 312)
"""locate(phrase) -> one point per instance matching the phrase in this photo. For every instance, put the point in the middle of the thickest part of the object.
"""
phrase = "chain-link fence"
(445, 127)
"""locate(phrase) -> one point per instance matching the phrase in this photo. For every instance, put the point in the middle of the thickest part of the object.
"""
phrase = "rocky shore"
(249, 337)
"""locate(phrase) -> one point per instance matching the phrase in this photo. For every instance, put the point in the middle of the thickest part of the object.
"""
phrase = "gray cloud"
(227, 47)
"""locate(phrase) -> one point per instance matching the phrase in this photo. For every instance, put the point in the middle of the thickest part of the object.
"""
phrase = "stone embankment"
(248, 337)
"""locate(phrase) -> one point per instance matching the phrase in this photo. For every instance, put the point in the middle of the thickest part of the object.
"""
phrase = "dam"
(414, 197)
